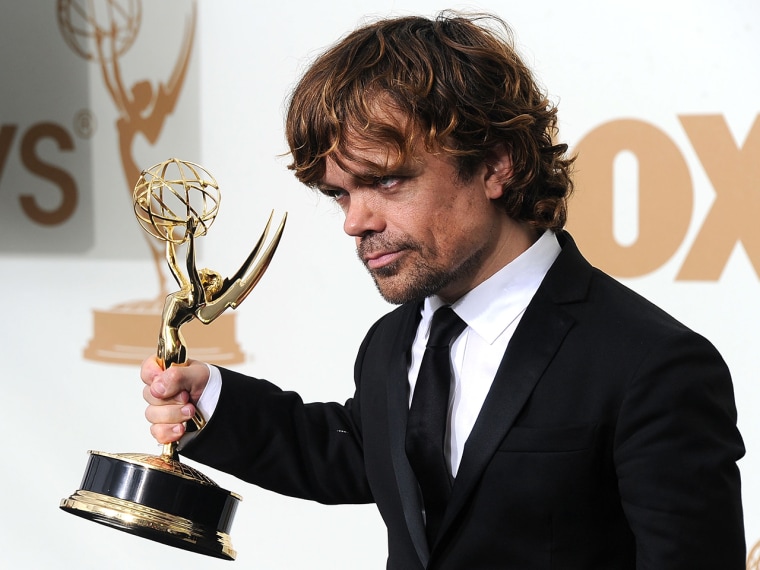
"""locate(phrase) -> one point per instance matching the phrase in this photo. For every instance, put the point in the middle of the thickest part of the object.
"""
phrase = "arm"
(271, 438)
(262, 434)
(171, 261)
(197, 296)
(676, 449)
(191, 282)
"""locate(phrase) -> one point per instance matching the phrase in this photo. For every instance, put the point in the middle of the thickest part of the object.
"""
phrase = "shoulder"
(400, 322)
(608, 316)
(588, 292)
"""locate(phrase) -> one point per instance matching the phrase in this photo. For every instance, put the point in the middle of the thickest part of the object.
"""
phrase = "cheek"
(450, 242)
(446, 228)
(469, 241)
(460, 223)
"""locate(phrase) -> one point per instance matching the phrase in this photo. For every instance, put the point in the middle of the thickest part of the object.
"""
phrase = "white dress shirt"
(492, 312)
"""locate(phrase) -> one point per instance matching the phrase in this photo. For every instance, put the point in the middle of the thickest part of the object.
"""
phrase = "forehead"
(379, 134)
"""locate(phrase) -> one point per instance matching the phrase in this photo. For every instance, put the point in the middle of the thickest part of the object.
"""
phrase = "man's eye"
(386, 182)
(333, 194)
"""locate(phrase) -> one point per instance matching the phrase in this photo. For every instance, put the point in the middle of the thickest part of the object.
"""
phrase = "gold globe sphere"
(172, 193)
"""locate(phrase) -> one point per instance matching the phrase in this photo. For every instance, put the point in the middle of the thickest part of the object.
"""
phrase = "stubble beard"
(413, 277)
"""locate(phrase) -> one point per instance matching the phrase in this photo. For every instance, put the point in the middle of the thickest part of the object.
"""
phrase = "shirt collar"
(494, 304)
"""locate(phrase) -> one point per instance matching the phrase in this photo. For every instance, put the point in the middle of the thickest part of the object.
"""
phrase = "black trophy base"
(157, 498)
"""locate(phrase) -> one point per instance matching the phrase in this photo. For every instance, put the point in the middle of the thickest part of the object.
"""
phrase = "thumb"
(190, 377)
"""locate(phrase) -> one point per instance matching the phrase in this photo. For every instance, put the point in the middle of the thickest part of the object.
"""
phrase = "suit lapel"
(535, 342)
(398, 408)
(527, 357)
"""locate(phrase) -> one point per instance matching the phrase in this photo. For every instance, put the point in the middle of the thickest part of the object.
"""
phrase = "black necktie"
(426, 428)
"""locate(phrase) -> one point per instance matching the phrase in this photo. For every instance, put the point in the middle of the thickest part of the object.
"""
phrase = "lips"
(381, 254)
(379, 259)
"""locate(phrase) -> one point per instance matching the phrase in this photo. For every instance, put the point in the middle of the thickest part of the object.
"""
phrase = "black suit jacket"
(607, 441)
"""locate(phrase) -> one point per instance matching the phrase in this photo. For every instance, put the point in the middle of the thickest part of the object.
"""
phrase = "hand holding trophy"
(158, 497)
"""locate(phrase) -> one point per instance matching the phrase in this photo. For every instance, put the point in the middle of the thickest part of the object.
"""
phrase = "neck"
(511, 240)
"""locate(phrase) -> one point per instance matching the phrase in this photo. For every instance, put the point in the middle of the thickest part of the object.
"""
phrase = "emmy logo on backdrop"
(158, 497)
(102, 31)
(753, 558)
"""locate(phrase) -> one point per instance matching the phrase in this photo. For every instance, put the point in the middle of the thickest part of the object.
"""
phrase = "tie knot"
(446, 325)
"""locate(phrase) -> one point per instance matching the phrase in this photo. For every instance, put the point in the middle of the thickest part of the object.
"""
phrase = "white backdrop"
(647, 61)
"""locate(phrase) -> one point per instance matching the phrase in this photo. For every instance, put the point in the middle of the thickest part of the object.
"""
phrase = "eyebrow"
(325, 188)
(356, 178)
(371, 174)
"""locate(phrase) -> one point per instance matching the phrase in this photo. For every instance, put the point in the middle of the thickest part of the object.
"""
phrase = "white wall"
(650, 61)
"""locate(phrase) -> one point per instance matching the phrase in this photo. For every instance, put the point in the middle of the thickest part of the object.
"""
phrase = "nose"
(362, 216)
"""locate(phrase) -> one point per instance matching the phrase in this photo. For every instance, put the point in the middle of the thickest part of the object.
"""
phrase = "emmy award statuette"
(156, 496)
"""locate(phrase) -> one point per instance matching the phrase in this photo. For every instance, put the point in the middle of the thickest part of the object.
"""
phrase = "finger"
(191, 376)
(169, 413)
(180, 398)
(150, 369)
(167, 433)
(164, 384)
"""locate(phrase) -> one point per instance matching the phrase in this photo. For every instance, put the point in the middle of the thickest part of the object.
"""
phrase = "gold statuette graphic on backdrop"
(156, 496)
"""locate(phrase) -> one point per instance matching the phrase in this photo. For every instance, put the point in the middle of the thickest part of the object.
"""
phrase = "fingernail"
(177, 429)
(186, 411)
(159, 388)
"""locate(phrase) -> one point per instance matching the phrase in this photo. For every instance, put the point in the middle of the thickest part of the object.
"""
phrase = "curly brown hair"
(461, 88)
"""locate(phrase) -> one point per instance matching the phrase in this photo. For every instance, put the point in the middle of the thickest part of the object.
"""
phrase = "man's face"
(419, 229)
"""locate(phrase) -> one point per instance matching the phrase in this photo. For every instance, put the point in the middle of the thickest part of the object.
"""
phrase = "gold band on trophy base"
(149, 496)
(158, 497)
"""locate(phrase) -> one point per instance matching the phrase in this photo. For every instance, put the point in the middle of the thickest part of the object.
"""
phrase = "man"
(583, 427)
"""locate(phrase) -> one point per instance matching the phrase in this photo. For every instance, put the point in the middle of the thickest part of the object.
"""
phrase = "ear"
(498, 171)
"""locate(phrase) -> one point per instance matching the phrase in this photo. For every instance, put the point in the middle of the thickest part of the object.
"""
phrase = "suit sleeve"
(271, 438)
(676, 449)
